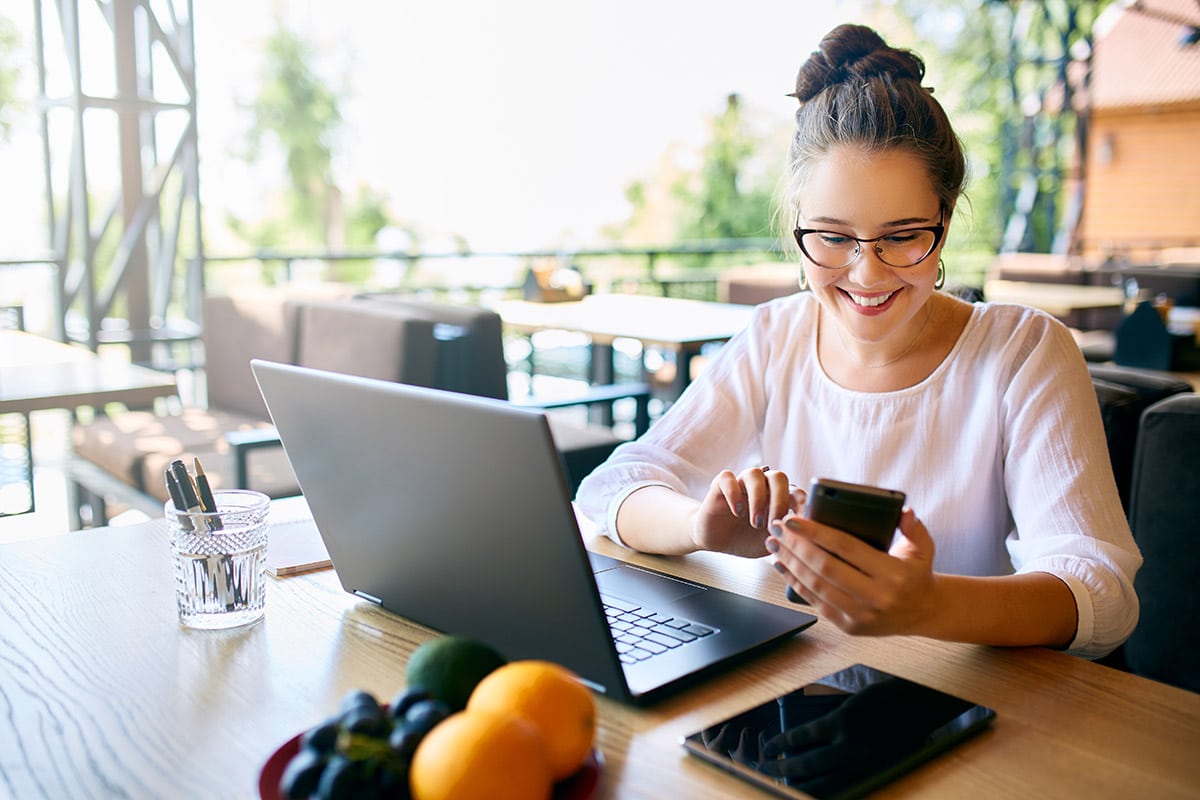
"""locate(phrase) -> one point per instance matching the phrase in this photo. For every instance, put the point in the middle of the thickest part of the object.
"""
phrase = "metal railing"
(689, 269)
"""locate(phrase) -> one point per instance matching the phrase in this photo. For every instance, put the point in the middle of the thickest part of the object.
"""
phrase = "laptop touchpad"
(646, 588)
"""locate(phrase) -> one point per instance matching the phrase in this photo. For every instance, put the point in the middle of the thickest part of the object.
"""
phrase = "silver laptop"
(453, 511)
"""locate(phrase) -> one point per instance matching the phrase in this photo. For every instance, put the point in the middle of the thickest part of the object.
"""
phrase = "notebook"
(453, 511)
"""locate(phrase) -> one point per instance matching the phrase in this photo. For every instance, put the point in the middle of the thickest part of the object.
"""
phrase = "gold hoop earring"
(802, 281)
(940, 281)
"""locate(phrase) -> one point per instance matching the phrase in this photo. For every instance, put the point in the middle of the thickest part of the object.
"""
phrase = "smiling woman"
(984, 415)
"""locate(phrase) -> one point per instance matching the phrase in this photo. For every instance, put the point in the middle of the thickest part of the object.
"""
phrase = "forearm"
(1029, 609)
(655, 519)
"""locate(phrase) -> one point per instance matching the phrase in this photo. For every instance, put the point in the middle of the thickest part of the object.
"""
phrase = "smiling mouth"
(869, 302)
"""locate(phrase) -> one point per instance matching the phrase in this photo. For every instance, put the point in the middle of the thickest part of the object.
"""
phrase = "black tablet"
(841, 736)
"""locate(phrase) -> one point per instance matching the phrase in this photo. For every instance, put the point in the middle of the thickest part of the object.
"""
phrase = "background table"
(38, 373)
(105, 695)
(1075, 305)
(682, 326)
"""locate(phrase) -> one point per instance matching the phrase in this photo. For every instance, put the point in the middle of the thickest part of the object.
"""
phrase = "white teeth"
(870, 302)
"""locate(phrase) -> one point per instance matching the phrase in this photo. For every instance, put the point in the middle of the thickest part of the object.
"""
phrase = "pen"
(177, 497)
(207, 501)
(187, 490)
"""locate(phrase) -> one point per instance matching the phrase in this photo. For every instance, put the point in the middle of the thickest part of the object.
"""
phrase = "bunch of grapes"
(364, 750)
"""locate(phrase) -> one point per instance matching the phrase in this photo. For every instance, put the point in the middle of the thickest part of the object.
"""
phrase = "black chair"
(1124, 394)
(1164, 514)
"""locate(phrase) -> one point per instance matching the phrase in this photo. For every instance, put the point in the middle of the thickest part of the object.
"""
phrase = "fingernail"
(739, 508)
(759, 521)
(793, 523)
(772, 546)
(780, 568)
(775, 530)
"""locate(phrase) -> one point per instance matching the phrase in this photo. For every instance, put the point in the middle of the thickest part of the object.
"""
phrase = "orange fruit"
(476, 755)
(553, 699)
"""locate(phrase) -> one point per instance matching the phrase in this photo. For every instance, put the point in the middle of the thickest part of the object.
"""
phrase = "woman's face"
(853, 192)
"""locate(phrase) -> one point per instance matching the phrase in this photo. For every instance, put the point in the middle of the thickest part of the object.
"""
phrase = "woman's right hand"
(737, 509)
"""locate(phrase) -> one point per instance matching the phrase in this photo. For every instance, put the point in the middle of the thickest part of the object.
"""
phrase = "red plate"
(583, 785)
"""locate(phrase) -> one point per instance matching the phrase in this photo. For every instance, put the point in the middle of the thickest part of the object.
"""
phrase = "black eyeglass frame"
(938, 231)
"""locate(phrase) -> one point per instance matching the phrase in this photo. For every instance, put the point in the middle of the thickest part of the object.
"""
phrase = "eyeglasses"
(903, 248)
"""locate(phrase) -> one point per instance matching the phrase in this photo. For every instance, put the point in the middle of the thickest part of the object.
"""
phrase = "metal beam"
(116, 235)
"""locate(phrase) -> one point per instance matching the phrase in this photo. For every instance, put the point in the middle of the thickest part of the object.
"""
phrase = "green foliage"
(10, 73)
(726, 203)
(988, 60)
(730, 196)
(297, 112)
(365, 218)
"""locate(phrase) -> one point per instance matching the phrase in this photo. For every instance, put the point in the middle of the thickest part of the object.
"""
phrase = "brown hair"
(855, 89)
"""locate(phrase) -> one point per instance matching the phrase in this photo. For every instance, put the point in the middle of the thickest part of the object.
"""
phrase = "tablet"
(841, 736)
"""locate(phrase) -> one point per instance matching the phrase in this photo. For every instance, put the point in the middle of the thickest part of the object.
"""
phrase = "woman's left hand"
(847, 581)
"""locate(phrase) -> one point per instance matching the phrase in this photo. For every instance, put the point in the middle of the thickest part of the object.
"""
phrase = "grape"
(339, 779)
(358, 698)
(393, 783)
(406, 700)
(364, 750)
(404, 741)
(302, 773)
(425, 714)
(369, 721)
(322, 738)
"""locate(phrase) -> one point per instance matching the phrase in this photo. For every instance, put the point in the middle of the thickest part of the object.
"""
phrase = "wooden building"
(1142, 188)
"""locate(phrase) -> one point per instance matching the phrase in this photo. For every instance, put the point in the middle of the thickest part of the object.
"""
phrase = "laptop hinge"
(368, 597)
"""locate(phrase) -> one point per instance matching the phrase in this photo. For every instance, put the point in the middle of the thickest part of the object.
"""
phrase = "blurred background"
(155, 151)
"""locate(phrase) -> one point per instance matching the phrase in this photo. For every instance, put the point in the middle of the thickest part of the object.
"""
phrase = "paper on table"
(294, 545)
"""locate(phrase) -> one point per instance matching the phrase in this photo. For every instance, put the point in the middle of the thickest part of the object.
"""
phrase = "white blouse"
(1001, 450)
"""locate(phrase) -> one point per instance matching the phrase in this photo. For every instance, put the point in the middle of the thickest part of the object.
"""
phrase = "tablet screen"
(841, 736)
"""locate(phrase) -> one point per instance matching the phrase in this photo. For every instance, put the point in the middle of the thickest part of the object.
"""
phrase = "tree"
(10, 73)
(726, 202)
(730, 196)
(297, 112)
(1012, 68)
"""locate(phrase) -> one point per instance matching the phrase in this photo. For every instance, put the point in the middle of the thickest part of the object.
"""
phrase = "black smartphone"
(868, 512)
(839, 737)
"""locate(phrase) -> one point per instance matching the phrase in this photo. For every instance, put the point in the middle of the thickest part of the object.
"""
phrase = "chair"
(232, 434)
(471, 360)
(1164, 510)
(1124, 393)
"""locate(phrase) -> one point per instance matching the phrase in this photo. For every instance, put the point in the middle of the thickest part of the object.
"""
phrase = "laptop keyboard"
(642, 633)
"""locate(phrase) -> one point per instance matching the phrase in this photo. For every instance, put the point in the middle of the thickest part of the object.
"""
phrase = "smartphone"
(840, 737)
(868, 512)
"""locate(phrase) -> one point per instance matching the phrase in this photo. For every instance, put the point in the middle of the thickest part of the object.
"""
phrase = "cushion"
(269, 470)
(471, 355)
(120, 444)
(367, 340)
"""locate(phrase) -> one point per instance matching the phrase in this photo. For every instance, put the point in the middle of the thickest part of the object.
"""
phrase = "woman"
(983, 414)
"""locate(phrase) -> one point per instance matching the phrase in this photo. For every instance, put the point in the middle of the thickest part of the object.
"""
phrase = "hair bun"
(854, 52)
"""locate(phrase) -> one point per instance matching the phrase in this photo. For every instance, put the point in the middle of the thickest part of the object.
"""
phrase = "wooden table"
(1064, 301)
(682, 326)
(104, 695)
(38, 373)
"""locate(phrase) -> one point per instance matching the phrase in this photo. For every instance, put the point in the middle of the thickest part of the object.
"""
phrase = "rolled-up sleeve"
(1067, 513)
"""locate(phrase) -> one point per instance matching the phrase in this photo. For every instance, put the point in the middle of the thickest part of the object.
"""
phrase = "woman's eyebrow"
(892, 224)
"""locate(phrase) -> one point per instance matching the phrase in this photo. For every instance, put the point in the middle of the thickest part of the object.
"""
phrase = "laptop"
(453, 511)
